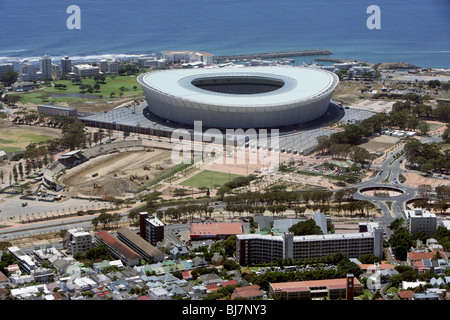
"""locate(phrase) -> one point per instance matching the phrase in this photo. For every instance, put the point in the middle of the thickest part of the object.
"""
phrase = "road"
(388, 177)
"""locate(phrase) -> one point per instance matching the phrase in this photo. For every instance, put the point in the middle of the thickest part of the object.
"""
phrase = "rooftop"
(300, 83)
(215, 228)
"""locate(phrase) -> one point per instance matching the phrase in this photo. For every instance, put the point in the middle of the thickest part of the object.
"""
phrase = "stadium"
(250, 97)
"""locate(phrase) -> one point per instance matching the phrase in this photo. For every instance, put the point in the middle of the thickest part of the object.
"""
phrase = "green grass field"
(112, 84)
(209, 179)
(17, 140)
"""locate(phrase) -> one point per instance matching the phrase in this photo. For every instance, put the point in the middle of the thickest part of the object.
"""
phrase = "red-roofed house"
(406, 294)
(247, 292)
(373, 267)
(229, 283)
(118, 249)
(212, 287)
(412, 257)
(187, 274)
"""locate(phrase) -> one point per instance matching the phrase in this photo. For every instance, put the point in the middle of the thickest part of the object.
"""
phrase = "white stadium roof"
(300, 83)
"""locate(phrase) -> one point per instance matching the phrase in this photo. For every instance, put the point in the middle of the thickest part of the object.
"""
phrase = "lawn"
(16, 138)
(209, 179)
(112, 84)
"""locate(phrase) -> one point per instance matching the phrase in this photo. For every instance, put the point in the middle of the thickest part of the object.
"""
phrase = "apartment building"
(85, 69)
(307, 290)
(25, 261)
(109, 66)
(78, 241)
(27, 71)
(46, 66)
(151, 228)
(188, 56)
(66, 65)
(256, 248)
(421, 220)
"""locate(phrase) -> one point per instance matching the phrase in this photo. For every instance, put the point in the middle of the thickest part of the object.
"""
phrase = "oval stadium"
(247, 97)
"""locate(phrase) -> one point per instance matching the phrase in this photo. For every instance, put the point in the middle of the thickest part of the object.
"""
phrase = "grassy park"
(121, 86)
(209, 179)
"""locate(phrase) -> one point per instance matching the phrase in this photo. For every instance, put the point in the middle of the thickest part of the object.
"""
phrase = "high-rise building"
(151, 228)
(66, 65)
(46, 66)
(56, 71)
(421, 220)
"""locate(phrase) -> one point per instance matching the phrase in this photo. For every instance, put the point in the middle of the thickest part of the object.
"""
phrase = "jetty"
(270, 55)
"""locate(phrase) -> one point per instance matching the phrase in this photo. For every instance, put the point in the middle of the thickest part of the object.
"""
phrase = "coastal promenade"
(270, 55)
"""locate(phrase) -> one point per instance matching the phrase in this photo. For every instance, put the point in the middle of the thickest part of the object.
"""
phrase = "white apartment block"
(360, 70)
(109, 66)
(256, 248)
(421, 220)
(5, 67)
(78, 241)
(85, 69)
(188, 56)
(56, 71)
(25, 261)
(154, 63)
(46, 66)
(345, 65)
(27, 72)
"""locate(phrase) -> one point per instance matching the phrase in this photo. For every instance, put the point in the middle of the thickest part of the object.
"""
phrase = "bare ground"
(118, 173)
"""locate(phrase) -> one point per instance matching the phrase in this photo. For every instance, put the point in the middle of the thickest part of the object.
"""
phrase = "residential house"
(248, 292)
(178, 251)
(210, 278)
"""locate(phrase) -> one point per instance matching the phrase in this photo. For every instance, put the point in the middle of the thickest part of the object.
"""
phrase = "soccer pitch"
(209, 179)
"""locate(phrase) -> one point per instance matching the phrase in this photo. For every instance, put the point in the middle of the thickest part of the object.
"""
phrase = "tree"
(400, 243)
(423, 127)
(308, 227)
(14, 172)
(9, 77)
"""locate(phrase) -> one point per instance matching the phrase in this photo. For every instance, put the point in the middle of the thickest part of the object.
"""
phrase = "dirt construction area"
(116, 175)
(380, 144)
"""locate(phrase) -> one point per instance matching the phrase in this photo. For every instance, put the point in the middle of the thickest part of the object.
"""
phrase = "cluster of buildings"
(29, 72)
(354, 68)
(167, 270)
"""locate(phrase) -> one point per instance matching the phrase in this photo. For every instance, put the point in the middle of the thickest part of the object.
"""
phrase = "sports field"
(16, 138)
(209, 179)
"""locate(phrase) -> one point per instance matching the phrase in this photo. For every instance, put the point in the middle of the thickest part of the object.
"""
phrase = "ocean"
(413, 31)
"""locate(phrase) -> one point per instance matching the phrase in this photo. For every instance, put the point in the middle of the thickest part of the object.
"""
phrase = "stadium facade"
(247, 97)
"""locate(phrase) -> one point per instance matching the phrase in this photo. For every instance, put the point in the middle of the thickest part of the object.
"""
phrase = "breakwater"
(270, 55)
